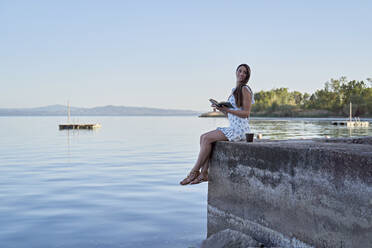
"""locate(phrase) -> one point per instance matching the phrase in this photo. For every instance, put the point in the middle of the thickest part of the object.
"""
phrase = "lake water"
(116, 186)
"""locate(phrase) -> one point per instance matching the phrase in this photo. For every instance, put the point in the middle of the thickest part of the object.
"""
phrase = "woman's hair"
(238, 92)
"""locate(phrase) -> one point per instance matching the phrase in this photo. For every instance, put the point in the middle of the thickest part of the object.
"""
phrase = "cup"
(249, 137)
(259, 136)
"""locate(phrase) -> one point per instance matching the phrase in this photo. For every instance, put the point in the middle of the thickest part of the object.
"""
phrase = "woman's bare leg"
(201, 139)
(206, 141)
(204, 169)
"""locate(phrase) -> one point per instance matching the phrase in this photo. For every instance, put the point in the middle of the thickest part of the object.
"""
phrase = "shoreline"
(213, 117)
(305, 114)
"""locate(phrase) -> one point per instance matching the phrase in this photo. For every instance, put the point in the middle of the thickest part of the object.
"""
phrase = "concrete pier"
(295, 193)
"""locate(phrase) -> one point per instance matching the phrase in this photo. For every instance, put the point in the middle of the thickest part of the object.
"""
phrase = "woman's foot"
(190, 177)
(201, 178)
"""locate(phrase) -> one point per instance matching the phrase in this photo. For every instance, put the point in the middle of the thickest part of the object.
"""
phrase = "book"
(221, 104)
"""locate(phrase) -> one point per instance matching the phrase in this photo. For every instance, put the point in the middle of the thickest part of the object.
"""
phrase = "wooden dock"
(79, 126)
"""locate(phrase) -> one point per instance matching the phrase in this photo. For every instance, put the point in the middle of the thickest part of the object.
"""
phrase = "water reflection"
(73, 134)
(117, 185)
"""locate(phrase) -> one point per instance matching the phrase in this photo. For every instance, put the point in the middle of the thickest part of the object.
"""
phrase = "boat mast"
(350, 112)
(68, 112)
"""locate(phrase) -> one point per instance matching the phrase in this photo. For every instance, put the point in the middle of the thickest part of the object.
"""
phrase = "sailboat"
(76, 126)
(352, 123)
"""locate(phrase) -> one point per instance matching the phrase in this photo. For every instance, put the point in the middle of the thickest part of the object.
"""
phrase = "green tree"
(334, 97)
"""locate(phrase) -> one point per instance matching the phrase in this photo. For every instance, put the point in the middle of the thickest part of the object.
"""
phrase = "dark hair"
(238, 92)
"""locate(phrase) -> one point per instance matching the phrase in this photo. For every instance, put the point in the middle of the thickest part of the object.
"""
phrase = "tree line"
(332, 100)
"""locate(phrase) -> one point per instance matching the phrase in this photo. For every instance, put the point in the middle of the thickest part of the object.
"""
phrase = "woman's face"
(241, 74)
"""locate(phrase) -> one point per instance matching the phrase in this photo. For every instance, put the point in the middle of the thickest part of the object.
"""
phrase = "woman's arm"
(246, 108)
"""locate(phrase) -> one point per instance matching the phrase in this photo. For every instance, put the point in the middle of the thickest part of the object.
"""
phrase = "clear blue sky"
(175, 54)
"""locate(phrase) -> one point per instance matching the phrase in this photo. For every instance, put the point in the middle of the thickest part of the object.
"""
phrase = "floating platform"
(79, 126)
(351, 123)
(213, 114)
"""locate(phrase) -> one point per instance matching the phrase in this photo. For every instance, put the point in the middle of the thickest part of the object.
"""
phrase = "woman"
(241, 99)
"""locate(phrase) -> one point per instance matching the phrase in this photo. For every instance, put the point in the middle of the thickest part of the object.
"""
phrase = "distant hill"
(61, 110)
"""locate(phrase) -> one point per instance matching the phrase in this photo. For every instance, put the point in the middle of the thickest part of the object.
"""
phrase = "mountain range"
(61, 110)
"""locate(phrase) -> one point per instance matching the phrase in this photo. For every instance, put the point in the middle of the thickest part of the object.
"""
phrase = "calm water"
(117, 186)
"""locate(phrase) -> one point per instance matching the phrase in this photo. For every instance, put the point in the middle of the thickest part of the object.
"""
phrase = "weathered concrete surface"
(229, 239)
(295, 193)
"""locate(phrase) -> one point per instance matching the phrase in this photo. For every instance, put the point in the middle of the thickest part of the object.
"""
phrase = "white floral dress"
(238, 126)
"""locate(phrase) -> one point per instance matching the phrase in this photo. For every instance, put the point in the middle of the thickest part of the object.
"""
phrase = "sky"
(175, 54)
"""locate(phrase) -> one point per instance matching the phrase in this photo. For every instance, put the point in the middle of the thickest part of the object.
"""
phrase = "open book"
(221, 104)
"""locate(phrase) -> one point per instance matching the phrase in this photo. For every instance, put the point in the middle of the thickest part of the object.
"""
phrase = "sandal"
(201, 178)
(190, 177)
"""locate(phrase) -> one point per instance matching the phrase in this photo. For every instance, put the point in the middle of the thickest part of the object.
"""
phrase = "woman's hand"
(223, 109)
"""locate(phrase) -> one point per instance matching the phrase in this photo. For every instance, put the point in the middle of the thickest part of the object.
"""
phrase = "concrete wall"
(295, 193)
